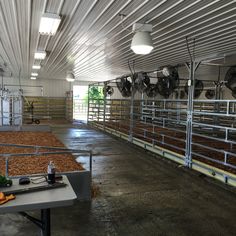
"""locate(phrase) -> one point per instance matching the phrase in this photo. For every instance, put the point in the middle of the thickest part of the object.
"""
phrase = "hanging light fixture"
(70, 77)
(142, 41)
(49, 24)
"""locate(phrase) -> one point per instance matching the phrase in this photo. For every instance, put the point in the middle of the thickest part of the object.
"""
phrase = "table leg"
(46, 226)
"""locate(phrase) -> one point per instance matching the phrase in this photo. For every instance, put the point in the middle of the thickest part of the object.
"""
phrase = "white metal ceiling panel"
(94, 42)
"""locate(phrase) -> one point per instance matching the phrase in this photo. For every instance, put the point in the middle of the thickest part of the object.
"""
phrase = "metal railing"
(80, 108)
(42, 151)
(163, 122)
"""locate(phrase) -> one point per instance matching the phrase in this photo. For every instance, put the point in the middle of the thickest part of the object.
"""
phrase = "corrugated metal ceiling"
(94, 41)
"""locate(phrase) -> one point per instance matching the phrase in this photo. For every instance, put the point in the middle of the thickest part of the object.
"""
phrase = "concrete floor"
(140, 195)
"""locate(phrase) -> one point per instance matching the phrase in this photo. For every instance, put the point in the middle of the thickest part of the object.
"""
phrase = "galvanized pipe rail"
(55, 151)
(194, 121)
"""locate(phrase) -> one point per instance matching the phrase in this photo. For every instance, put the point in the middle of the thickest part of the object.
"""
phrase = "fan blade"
(210, 94)
(142, 81)
(152, 90)
(230, 78)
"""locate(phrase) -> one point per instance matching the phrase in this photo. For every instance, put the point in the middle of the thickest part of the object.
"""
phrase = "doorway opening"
(80, 102)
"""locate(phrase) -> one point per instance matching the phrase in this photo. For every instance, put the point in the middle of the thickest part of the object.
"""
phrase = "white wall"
(51, 87)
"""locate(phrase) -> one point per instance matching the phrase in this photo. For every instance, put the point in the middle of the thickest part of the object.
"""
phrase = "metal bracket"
(32, 219)
(43, 224)
(197, 65)
(187, 65)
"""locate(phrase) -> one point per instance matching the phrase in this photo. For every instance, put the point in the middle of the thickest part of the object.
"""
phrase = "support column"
(131, 128)
(88, 105)
(104, 104)
(192, 67)
(218, 91)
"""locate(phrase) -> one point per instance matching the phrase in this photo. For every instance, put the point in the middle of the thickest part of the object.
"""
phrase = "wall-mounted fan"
(108, 90)
(230, 78)
(167, 85)
(179, 94)
(124, 84)
(142, 81)
(198, 88)
(234, 93)
(210, 94)
(169, 71)
(152, 90)
(182, 94)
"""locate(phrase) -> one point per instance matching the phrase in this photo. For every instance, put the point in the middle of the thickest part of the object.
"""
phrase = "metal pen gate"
(162, 126)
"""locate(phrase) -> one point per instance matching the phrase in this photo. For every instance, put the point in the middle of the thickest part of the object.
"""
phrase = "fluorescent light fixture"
(70, 77)
(36, 67)
(142, 41)
(70, 80)
(40, 55)
(34, 74)
(32, 77)
(49, 24)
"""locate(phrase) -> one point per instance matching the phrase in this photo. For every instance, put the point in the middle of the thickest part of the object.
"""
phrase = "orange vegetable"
(2, 196)
(4, 199)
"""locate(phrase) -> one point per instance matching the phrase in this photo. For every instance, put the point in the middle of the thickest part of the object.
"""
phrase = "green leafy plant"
(95, 94)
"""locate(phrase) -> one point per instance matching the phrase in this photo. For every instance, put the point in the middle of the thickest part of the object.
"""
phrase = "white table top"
(59, 197)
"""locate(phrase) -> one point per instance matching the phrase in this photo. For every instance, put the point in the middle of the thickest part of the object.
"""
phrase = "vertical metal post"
(91, 169)
(142, 105)
(88, 105)
(104, 104)
(192, 66)
(46, 226)
(131, 128)
(218, 86)
(153, 110)
(98, 109)
(6, 166)
(90, 161)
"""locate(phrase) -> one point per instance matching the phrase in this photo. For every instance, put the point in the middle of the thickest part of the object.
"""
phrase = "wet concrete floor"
(139, 195)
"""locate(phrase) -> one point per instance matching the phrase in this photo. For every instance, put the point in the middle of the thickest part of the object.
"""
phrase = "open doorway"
(80, 106)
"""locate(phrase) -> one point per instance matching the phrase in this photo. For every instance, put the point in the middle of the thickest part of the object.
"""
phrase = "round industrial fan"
(142, 81)
(166, 85)
(166, 71)
(182, 94)
(170, 71)
(179, 94)
(119, 82)
(108, 90)
(234, 92)
(124, 85)
(210, 93)
(230, 78)
(152, 90)
(176, 95)
(198, 88)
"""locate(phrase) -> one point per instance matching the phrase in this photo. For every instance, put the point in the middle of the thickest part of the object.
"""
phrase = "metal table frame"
(42, 200)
